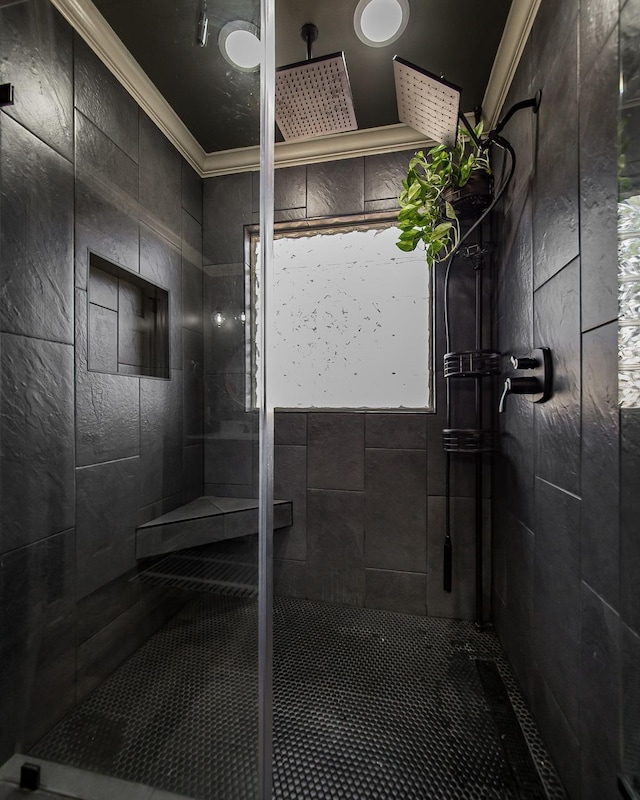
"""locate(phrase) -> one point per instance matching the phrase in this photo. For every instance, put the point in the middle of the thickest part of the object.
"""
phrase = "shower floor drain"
(368, 705)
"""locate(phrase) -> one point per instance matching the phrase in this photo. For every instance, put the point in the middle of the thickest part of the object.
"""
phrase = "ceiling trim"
(85, 18)
(370, 141)
(514, 38)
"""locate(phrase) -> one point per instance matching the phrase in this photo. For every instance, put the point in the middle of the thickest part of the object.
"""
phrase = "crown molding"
(514, 38)
(85, 18)
(371, 141)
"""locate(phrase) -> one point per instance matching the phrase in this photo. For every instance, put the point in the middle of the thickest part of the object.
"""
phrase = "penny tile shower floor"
(368, 705)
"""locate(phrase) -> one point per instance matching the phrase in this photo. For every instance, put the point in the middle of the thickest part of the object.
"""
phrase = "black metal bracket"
(6, 95)
(30, 776)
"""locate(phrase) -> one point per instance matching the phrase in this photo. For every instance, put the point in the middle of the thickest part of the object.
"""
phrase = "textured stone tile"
(134, 341)
(192, 289)
(103, 289)
(335, 529)
(103, 227)
(160, 181)
(289, 578)
(335, 188)
(558, 735)
(191, 191)
(630, 513)
(37, 57)
(396, 431)
(555, 182)
(108, 602)
(396, 509)
(228, 460)
(335, 451)
(515, 281)
(112, 172)
(557, 422)
(341, 584)
(103, 99)
(599, 538)
(192, 360)
(161, 438)
(599, 697)
(519, 130)
(103, 339)
(460, 602)
(290, 483)
(556, 621)
(226, 209)
(290, 188)
(516, 463)
(191, 239)
(160, 262)
(519, 600)
(37, 640)
(36, 404)
(103, 653)
(164, 506)
(597, 21)
(599, 99)
(290, 427)
(383, 175)
(553, 23)
(630, 695)
(107, 512)
(225, 342)
(36, 236)
(193, 472)
(403, 592)
(107, 406)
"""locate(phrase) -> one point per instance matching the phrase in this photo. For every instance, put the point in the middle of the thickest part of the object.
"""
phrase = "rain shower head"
(426, 102)
(313, 97)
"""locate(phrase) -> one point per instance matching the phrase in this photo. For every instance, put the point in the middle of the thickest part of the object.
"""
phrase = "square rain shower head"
(313, 98)
(426, 102)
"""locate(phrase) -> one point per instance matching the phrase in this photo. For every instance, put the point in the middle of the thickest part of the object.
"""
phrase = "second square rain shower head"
(427, 103)
(313, 97)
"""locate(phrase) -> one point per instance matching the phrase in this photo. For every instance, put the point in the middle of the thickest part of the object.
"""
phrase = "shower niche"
(128, 322)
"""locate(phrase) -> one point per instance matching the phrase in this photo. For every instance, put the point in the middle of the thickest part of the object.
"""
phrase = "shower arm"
(309, 34)
(532, 102)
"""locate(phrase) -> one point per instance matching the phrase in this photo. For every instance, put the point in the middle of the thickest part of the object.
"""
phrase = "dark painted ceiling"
(220, 105)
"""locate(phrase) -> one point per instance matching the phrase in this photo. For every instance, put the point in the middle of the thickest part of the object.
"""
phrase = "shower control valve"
(537, 384)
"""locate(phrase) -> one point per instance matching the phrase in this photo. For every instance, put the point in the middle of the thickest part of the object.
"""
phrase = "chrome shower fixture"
(313, 97)
(427, 103)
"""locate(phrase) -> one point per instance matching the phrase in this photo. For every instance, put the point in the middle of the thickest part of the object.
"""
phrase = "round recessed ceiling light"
(240, 45)
(380, 22)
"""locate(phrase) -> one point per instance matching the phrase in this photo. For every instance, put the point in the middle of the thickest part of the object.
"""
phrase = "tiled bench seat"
(205, 520)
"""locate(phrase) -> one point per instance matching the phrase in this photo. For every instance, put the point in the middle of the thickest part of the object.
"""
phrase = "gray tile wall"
(84, 457)
(556, 538)
(367, 488)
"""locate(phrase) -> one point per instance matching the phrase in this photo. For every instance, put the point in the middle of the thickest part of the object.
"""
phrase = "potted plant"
(447, 185)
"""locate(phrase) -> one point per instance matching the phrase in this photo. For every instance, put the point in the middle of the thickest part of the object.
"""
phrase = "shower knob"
(523, 362)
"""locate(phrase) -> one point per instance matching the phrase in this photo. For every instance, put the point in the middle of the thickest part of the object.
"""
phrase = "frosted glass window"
(349, 318)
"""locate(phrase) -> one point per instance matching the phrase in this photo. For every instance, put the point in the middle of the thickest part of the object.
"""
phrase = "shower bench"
(204, 521)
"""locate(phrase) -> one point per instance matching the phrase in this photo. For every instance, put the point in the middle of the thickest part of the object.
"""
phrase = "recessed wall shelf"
(128, 321)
